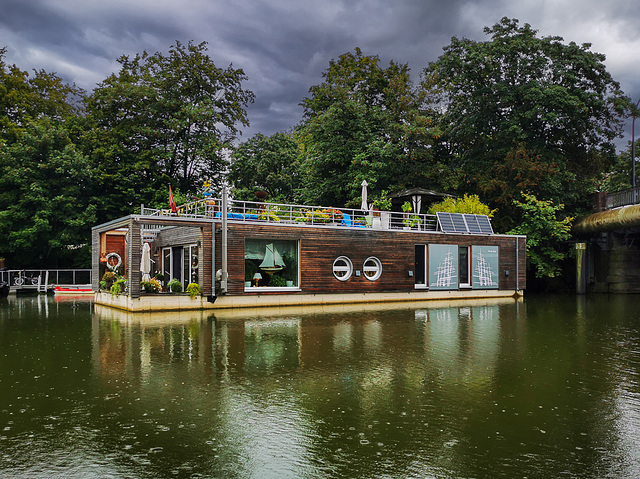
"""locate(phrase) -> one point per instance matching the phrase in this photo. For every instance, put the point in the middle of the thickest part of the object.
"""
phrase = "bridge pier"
(608, 251)
(609, 262)
(581, 268)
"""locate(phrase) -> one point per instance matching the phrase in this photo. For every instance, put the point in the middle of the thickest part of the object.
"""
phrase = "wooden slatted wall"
(319, 247)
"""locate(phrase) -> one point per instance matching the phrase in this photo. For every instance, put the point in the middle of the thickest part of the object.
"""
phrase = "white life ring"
(118, 259)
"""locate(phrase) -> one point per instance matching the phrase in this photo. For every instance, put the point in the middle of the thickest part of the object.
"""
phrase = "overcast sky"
(284, 45)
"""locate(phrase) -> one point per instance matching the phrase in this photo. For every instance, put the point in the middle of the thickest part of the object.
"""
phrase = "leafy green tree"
(546, 230)
(45, 199)
(526, 113)
(45, 182)
(268, 163)
(163, 119)
(364, 122)
(25, 97)
(618, 178)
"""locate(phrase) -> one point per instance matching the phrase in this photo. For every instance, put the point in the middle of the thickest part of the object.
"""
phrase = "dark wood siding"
(206, 265)
(319, 247)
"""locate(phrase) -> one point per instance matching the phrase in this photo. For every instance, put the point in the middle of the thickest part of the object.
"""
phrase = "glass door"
(420, 269)
(166, 265)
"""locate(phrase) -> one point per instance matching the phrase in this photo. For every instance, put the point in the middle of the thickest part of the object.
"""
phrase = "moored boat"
(72, 290)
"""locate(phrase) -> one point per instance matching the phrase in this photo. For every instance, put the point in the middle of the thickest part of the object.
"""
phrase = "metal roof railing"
(300, 215)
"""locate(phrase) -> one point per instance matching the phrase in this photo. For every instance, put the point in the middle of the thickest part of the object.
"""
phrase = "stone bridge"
(608, 248)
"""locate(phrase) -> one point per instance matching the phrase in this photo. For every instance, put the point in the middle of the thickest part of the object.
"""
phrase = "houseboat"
(255, 254)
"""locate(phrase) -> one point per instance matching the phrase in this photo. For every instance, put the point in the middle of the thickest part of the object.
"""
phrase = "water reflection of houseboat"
(245, 254)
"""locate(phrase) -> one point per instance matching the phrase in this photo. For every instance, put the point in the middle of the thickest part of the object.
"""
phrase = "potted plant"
(301, 216)
(381, 215)
(335, 215)
(410, 221)
(382, 203)
(250, 269)
(151, 286)
(277, 281)
(118, 286)
(269, 214)
(175, 286)
(109, 277)
(193, 289)
(290, 271)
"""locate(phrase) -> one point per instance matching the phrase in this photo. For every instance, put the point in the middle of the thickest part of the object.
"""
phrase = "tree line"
(526, 123)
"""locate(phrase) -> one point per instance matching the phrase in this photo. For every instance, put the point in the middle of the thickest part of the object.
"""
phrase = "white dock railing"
(42, 279)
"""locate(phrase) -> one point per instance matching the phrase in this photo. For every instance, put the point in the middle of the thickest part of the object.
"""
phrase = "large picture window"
(270, 263)
(485, 267)
(443, 266)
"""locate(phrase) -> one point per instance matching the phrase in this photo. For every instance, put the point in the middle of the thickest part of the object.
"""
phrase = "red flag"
(172, 202)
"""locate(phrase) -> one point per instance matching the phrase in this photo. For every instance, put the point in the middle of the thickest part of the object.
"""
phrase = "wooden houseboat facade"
(259, 254)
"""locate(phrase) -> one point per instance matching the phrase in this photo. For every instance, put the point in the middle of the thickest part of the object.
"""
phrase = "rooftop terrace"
(259, 212)
(302, 215)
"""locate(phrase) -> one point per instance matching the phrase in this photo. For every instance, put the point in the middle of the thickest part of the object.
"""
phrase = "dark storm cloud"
(284, 45)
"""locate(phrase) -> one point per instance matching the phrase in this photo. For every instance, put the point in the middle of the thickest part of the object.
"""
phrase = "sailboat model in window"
(272, 260)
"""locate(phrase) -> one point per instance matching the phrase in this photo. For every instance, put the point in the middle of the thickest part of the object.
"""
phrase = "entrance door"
(166, 265)
(463, 267)
(420, 269)
(176, 263)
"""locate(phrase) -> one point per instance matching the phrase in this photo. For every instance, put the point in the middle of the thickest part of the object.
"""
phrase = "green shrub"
(151, 286)
(383, 202)
(250, 269)
(118, 287)
(412, 221)
(109, 276)
(547, 230)
(469, 204)
(193, 289)
(175, 286)
(277, 281)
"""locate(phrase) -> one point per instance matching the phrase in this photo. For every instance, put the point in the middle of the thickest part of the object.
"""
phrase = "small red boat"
(72, 290)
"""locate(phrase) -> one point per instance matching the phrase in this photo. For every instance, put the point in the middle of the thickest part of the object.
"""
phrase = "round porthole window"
(342, 268)
(372, 268)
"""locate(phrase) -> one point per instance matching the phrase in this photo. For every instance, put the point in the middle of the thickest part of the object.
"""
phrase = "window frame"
(348, 268)
(377, 268)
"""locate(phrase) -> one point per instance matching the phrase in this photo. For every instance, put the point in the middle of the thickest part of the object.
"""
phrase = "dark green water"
(544, 388)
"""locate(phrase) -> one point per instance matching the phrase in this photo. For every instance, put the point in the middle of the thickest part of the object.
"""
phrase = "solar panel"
(473, 225)
(464, 223)
(485, 224)
(451, 222)
(459, 224)
(446, 224)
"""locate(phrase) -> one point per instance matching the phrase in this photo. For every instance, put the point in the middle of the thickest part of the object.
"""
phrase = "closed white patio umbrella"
(364, 205)
(145, 262)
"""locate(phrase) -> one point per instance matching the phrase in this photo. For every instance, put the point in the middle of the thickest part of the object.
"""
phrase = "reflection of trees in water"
(442, 391)
(317, 383)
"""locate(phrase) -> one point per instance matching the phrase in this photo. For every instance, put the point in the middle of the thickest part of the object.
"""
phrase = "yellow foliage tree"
(469, 204)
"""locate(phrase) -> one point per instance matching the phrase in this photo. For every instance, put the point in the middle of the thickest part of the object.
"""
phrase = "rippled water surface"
(546, 387)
